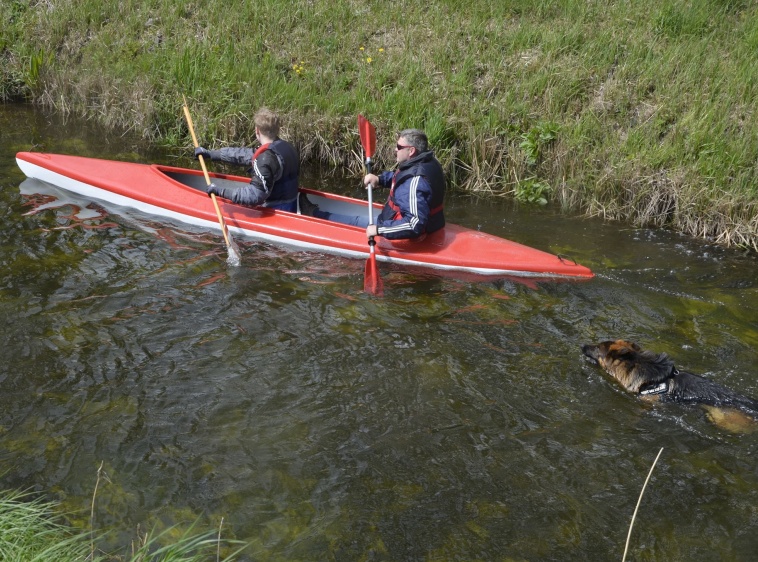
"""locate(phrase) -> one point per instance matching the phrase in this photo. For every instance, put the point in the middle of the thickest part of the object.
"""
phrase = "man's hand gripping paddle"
(372, 282)
(234, 253)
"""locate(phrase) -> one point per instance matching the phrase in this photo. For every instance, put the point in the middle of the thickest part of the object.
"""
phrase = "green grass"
(650, 102)
(31, 530)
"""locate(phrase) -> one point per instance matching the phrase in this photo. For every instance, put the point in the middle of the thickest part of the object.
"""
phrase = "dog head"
(626, 362)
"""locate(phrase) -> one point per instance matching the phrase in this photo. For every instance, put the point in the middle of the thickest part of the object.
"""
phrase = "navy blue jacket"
(415, 202)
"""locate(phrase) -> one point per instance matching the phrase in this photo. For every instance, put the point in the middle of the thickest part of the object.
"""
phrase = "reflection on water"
(449, 420)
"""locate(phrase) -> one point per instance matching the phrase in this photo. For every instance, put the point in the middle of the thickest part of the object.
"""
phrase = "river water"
(448, 420)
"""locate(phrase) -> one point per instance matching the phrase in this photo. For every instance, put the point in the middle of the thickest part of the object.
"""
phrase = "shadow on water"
(450, 420)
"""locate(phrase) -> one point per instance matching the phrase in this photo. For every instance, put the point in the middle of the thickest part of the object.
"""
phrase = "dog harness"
(659, 387)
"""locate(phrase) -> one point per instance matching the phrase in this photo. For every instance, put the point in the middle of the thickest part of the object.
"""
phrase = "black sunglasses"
(401, 147)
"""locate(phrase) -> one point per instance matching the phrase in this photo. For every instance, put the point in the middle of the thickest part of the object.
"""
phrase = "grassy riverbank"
(31, 529)
(642, 112)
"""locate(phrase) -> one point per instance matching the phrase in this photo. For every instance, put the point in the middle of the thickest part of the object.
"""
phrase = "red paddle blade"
(368, 135)
(372, 282)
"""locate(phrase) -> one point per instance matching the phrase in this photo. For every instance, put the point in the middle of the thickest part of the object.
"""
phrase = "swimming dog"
(653, 377)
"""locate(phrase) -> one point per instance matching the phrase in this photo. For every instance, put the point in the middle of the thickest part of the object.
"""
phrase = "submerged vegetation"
(642, 112)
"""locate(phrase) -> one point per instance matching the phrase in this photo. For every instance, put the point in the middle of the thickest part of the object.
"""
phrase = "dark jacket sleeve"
(233, 155)
(385, 179)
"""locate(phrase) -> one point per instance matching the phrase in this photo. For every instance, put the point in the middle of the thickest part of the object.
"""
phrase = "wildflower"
(381, 49)
(298, 68)
(368, 60)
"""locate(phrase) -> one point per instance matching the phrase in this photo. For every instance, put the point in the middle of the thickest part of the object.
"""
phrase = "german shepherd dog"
(653, 377)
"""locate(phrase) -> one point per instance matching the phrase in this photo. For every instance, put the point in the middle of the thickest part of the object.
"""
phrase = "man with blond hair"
(274, 167)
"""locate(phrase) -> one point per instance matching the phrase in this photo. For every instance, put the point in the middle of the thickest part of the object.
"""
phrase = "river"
(448, 420)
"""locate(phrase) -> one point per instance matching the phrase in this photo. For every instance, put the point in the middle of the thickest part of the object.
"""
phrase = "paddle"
(234, 254)
(372, 282)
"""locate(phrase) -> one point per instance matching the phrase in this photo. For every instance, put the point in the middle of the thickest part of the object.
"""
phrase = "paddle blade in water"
(234, 259)
(372, 282)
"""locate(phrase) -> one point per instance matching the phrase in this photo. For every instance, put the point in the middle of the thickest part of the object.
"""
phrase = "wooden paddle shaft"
(194, 141)
(205, 173)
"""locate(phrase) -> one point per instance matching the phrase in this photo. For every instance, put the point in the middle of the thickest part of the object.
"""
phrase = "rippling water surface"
(449, 420)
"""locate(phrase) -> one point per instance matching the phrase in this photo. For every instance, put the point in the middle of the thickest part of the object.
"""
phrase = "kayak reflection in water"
(274, 168)
(417, 191)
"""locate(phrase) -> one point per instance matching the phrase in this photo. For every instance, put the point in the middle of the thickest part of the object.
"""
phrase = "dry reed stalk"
(484, 165)
(639, 500)
(92, 511)
(218, 542)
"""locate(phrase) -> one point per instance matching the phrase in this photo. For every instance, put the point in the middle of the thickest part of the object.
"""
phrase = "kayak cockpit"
(196, 180)
(326, 201)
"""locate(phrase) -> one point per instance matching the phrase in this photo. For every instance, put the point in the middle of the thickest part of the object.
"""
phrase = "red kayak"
(179, 194)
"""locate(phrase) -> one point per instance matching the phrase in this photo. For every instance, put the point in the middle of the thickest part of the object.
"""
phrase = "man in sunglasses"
(417, 191)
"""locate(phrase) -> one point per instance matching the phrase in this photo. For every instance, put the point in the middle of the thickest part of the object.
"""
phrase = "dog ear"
(622, 348)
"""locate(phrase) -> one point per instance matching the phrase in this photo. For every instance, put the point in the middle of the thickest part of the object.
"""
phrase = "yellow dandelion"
(368, 59)
(381, 49)
(363, 48)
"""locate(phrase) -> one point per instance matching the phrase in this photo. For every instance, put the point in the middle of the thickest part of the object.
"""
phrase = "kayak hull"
(178, 194)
